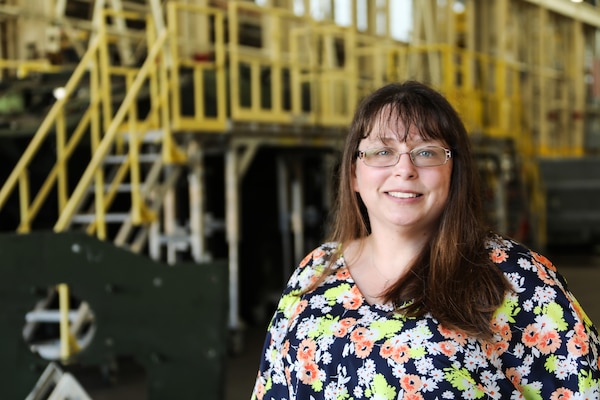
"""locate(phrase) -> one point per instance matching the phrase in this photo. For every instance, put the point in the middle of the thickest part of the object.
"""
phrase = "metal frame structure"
(278, 76)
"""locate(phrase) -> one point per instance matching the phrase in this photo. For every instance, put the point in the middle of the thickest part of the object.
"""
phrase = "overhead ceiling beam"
(584, 12)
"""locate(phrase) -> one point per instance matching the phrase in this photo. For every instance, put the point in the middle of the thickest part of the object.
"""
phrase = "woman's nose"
(405, 166)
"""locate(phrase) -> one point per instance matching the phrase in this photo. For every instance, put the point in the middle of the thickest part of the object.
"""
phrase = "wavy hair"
(452, 278)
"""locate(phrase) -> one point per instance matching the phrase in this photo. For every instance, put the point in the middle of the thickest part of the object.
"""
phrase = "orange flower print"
(306, 259)
(411, 383)
(579, 329)
(458, 336)
(286, 348)
(515, 377)
(259, 388)
(342, 274)
(363, 344)
(363, 348)
(288, 375)
(352, 299)
(306, 350)
(543, 275)
(578, 345)
(358, 334)
(340, 329)
(561, 394)
(549, 342)
(498, 255)
(300, 306)
(448, 348)
(401, 353)
(544, 261)
(309, 372)
(495, 349)
(348, 322)
(386, 349)
(505, 332)
(531, 335)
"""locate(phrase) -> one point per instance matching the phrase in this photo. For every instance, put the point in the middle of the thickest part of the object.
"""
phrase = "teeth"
(401, 195)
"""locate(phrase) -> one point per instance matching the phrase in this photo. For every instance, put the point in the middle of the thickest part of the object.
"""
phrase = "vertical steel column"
(196, 186)
(232, 217)
(298, 211)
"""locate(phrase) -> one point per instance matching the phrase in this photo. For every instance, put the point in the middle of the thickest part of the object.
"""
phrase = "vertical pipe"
(298, 211)
(170, 225)
(63, 303)
(196, 195)
(233, 226)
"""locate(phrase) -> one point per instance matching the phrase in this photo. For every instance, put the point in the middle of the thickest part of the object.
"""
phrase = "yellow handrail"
(18, 174)
(110, 135)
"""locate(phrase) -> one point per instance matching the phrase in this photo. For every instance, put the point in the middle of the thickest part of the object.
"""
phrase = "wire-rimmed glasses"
(427, 156)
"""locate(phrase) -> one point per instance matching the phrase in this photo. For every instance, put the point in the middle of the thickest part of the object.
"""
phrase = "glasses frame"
(363, 153)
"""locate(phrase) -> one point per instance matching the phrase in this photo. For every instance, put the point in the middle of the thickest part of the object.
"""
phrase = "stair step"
(48, 316)
(110, 218)
(151, 136)
(177, 238)
(122, 188)
(119, 159)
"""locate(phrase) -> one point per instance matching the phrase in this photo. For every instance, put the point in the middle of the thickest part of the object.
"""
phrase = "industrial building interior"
(166, 164)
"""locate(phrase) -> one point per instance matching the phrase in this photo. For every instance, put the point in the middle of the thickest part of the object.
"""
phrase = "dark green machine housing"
(172, 320)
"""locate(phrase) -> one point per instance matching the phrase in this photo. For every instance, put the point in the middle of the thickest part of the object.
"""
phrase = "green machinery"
(170, 320)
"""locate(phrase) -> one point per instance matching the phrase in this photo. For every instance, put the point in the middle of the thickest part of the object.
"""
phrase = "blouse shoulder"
(511, 256)
(313, 266)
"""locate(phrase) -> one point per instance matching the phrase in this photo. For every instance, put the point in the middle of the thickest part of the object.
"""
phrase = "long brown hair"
(453, 277)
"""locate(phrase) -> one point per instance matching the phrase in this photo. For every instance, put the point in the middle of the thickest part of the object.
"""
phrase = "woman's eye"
(425, 153)
(383, 153)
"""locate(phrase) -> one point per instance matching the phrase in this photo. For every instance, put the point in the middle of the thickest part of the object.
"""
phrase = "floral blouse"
(331, 344)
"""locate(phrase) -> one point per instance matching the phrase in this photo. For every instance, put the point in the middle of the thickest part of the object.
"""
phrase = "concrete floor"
(580, 267)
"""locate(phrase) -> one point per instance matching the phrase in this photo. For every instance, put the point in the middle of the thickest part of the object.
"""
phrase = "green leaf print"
(332, 294)
(551, 363)
(530, 392)
(379, 388)
(386, 329)
(462, 380)
(287, 303)
(317, 385)
(555, 311)
(586, 381)
(509, 309)
(417, 352)
(324, 327)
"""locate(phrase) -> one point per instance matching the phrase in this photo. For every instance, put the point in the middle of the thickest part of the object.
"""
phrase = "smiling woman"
(412, 295)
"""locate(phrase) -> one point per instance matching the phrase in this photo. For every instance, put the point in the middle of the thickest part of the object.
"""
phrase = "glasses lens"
(429, 156)
(383, 157)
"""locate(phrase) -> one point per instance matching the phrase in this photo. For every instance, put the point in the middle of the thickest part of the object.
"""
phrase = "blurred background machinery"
(207, 132)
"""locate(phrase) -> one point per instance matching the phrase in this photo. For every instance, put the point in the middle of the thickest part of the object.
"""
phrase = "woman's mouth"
(403, 195)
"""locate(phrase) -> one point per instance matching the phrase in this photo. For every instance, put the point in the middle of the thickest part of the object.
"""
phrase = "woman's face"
(401, 198)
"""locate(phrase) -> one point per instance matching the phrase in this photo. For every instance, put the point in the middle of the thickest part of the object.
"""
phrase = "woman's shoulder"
(513, 257)
(319, 255)
(314, 264)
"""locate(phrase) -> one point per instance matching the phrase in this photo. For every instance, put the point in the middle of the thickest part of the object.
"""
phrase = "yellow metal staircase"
(133, 156)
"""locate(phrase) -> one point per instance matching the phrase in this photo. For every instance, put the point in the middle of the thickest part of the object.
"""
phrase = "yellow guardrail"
(291, 71)
(201, 60)
(104, 129)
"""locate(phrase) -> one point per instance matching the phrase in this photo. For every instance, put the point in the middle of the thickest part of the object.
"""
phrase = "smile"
(403, 195)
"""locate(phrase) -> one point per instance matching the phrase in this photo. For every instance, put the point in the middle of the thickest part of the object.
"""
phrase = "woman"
(412, 297)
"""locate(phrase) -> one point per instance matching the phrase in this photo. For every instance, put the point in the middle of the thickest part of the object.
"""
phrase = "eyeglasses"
(428, 156)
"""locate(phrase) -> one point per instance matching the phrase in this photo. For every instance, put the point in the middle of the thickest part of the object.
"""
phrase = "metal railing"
(196, 77)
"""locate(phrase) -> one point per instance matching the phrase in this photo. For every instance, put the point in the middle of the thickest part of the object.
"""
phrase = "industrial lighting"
(59, 93)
